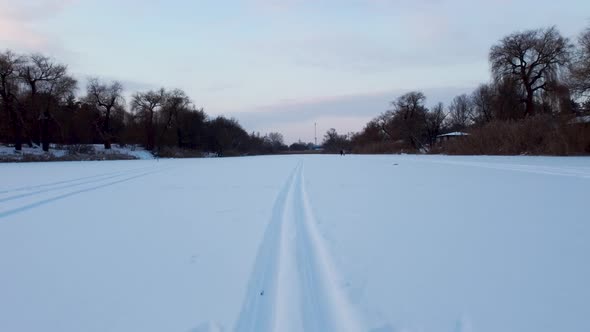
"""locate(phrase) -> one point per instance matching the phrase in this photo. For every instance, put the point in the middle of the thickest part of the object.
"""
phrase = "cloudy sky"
(281, 65)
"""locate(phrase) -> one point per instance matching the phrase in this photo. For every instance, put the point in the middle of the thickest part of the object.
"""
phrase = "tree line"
(39, 106)
(540, 88)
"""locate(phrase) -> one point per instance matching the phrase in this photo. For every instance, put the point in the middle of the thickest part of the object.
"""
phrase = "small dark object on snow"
(262, 293)
(395, 164)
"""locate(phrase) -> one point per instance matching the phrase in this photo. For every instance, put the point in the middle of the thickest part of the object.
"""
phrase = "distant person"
(342, 153)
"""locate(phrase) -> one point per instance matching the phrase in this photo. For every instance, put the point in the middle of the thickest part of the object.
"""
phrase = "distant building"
(581, 120)
(450, 136)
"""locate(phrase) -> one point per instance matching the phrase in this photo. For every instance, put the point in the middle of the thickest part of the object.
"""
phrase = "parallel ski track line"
(25, 188)
(325, 305)
(294, 274)
(258, 311)
(72, 184)
(8, 213)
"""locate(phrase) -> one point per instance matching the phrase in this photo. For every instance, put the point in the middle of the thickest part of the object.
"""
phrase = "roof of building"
(455, 133)
(580, 119)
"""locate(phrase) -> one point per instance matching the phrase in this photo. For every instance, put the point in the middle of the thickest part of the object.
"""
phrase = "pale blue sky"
(283, 64)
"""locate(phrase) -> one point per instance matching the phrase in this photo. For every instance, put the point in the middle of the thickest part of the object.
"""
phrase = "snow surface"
(293, 243)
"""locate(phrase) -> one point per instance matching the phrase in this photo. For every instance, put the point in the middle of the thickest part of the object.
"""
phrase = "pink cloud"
(20, 35)
(29, 10)
(17, 22)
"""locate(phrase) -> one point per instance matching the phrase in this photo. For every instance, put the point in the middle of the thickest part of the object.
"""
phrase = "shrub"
(80, 149)
(174, 152)
(383, 147)
(539, 135)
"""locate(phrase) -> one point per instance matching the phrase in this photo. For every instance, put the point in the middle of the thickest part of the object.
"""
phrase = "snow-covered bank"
(370, 243)
(73, 153)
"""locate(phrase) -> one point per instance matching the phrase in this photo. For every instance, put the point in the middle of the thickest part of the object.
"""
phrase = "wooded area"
(39, 106)
(537, 102)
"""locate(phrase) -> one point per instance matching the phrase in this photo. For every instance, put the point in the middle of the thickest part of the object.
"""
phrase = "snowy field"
(297, 243)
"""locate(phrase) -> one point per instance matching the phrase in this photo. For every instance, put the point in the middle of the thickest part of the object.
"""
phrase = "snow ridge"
(294, 285)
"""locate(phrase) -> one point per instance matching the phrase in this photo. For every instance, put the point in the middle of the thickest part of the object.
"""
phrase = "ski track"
(70, 184)
(27, 188)
(294, 285)
(101, 184)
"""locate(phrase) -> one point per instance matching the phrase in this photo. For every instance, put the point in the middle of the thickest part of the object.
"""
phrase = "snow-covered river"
(297, 243)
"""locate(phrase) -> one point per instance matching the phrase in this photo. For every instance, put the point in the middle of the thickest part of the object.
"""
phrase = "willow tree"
(533, 58)
(580, 69)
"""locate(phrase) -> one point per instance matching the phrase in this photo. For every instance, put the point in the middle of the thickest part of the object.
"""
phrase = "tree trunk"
(18, 143)
(17, 129)
(529, 102)
(151, 139)
(13, 117)
(106, 129)
(151, 133)
(37, 136)
(45, 131)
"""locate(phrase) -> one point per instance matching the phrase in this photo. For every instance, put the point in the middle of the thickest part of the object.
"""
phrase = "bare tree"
(175, 103)
(384, 123)
(106, 97)
(9, 64)
(56, 93)
(334, 142)
(276, 140)
(460, 112)
(41, 74)
(403, 121)
(191, 128)
(371, 133)
(145, 105)
(408, 115)
(482, 100)
(580, 69)
(434, 122)
(226, 136)
(533, 57)
(410, 104)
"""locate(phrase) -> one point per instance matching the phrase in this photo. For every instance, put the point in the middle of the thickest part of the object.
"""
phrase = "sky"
(283, 65)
